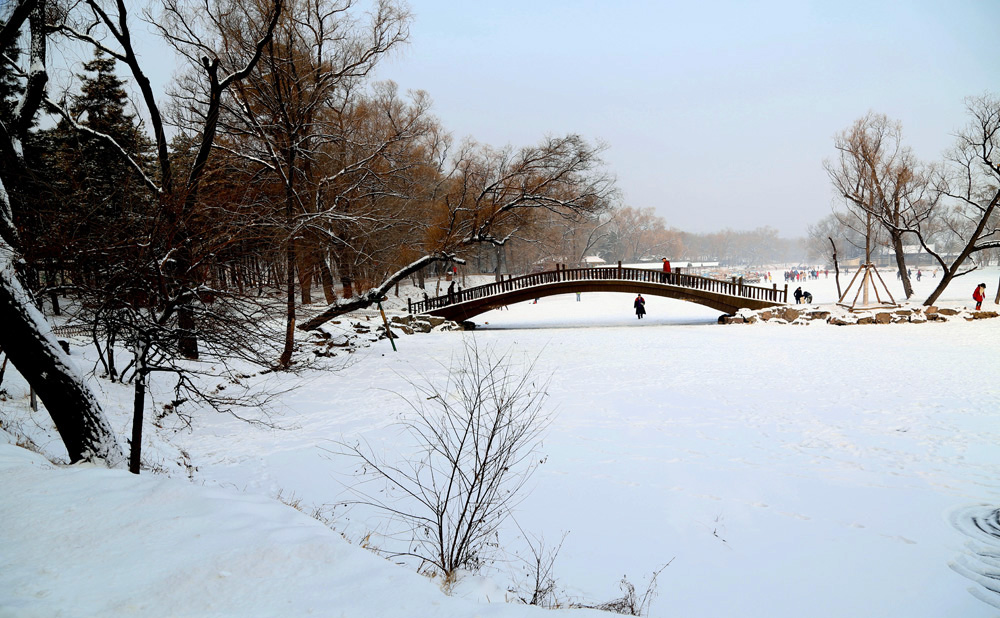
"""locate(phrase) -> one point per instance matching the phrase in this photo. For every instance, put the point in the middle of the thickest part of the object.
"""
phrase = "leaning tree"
(26, 336)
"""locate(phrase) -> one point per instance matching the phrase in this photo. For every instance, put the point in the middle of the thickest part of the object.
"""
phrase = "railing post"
(619, 269)
(785, 300)
(409, 306)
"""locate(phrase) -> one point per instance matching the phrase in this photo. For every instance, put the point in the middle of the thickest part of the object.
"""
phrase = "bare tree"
(476, 439)
(484, 198)
(280, 119)
(971, 186)
(172, 268)
(881, 182)
(638, 233)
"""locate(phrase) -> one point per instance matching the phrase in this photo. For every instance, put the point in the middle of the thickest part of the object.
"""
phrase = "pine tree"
(92, 201)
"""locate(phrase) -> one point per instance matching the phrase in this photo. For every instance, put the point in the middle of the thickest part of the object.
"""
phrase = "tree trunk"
(499, 272)
(326, 277)
(286, 353)
(305, 271)
(949, 272)
(138, 405)
(836, 268)
(50, 283)
(28, 341)
(897, 247)
(188, 344)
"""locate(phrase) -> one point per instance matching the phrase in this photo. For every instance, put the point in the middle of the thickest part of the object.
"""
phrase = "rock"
(883, 318)
(391, 335)
(468, 325)
(947, 311)
(838, 321)
(976, 315)
(340, 341)
(788, 314)
(766, 315)
(818, 315)
(866, 319)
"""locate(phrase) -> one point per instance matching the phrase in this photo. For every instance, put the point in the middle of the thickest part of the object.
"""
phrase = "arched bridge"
(725, 296)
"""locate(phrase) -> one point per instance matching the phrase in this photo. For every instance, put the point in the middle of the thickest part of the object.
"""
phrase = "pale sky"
(718, 114)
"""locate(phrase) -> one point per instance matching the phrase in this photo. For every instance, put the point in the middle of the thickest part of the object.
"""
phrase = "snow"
(786, 470)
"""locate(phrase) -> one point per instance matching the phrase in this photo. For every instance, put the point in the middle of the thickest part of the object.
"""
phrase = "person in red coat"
(666, 270)
(640, 306)
(979, 295)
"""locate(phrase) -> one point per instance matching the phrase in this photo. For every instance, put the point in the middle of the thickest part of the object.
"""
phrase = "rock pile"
(909, 314)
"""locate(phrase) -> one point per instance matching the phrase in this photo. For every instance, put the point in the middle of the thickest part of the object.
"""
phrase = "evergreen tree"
(92, 205)
(10, 87)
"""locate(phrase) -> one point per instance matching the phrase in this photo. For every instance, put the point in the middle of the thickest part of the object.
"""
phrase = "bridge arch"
(725, 296)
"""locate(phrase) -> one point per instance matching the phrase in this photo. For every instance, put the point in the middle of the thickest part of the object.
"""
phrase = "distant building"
(690, 267)
(915, 255)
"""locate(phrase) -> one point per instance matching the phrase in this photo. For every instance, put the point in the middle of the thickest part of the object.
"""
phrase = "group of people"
(909, 273)
(802, 275)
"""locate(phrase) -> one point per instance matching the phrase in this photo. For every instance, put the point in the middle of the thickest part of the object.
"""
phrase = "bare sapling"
(476, 437)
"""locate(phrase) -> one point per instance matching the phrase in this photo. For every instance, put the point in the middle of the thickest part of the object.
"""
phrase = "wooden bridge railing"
(732, 287)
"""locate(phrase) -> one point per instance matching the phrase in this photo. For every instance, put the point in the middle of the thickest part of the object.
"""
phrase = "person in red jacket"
(979, 295)
(666, 270)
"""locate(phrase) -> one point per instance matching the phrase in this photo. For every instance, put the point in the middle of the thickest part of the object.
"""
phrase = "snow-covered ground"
(782, 470)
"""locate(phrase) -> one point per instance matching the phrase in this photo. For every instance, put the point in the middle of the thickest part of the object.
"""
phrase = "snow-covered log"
(374, 295)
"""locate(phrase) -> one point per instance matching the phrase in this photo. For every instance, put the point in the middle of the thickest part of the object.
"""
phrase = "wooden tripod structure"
(867, 281)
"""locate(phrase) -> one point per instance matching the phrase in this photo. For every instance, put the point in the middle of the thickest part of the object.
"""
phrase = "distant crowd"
(803, 275)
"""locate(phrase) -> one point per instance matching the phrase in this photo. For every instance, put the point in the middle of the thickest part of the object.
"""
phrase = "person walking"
(798, 295)
(640, 306)
(979, 295)
(666, 270)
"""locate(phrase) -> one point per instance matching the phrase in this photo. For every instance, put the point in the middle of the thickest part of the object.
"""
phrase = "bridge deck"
(726, 296)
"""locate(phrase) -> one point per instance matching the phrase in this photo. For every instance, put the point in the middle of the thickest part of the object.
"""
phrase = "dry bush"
(477, 438)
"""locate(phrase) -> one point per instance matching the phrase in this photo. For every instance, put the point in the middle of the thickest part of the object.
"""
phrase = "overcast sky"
(718, 114)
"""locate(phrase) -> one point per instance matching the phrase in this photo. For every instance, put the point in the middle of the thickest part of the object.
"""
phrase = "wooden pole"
(388, 331)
